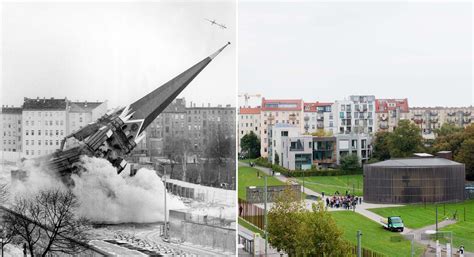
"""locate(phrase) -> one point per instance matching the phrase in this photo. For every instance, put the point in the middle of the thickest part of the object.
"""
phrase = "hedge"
(261, 161)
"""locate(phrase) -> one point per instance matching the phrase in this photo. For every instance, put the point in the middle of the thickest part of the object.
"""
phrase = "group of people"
(347, 201)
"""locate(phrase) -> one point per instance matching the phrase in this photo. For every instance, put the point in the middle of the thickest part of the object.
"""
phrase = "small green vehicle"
(393, 223)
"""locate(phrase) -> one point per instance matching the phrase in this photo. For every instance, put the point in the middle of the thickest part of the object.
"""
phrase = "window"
(39, 142)
(26, 131)
(27, 142)
(39, 132)
(32, 132)
(27, 153)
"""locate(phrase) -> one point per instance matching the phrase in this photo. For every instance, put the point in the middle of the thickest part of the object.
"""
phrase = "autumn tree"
(466, 155)
(405, 140)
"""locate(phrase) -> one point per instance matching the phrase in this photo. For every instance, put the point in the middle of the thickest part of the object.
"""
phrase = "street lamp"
(165, 226)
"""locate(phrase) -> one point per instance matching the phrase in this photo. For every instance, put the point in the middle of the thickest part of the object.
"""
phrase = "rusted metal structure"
(414, 180)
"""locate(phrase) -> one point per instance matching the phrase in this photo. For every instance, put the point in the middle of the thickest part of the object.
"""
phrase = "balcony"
(320, 126)
(466, 121)
(433, 120)
(383, 118)
(433, 113)
(383, 125)
(466, 113)
(451, 113)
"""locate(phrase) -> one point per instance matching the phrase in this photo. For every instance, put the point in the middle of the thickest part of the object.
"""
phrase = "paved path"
(261, 246)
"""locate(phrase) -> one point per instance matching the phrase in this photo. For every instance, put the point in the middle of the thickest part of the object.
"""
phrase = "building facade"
(389, 112)
(278, 112)
(431, 118)
(11, 129)
(44, 123)
(355, 115)
(82, 113)
(317, 116)
(249, 121)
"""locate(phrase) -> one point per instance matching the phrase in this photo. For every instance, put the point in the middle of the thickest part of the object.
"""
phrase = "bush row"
(261, 161)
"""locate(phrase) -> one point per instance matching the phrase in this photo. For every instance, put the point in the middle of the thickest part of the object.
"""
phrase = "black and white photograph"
(118, 128)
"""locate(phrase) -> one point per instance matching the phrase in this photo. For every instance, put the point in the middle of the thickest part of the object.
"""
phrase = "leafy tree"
(283, 221)
(319, 235)
(381, 147)
(447, 129)
(350, 162)
(301, 232)
(466, 156)
(405, 140)
(250, 144)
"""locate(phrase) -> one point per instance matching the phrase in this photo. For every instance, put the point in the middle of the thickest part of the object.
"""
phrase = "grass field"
(331, 184)
(250, 227)
(417, 216)
(248, 177)
(374, 237)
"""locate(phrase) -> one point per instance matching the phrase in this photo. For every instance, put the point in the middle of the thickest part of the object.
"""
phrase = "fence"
(366, 252)
(252, 213)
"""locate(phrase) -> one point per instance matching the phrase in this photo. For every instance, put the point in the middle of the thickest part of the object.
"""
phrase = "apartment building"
(44, 123)
(202, 123)
(355, 115)
(82, 113)
(389, 112)
(278, 112)
(10, 129)
(317, 116)
(358, 144)
(289, 148)
(249, 121)
(431, 118)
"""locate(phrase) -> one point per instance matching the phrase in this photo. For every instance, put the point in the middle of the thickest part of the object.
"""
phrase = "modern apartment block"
(249, 121)
(298, 151)
(289, 148)
(317, 116)
(431, 118)
(278, 112)
(355, 115)
(358, 144)
(10, 129)
(389, 112)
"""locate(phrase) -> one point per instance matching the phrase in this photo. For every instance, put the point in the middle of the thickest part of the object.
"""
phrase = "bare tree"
(176, 149)
(3, 193)
(46, 222)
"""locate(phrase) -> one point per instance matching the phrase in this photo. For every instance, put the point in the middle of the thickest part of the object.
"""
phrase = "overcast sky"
(115, 51)
(328, 51)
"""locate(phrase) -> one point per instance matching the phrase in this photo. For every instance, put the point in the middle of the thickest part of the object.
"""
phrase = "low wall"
(201, 230)
(257, 194)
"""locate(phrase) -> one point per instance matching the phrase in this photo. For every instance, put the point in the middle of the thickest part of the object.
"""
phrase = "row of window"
(38, 152)
(10, 142)
(27, 142)
(32, 132)
(46, 122)
(45, 114)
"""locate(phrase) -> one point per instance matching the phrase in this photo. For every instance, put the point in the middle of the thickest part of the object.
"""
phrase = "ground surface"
(374, 237)
(248, 177)
(330, 184)
(418, 216)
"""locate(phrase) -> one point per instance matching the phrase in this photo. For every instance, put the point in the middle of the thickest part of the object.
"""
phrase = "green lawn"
(251, 227)
(248, 177)
(331, 184)
(417, 216)
(374, 236)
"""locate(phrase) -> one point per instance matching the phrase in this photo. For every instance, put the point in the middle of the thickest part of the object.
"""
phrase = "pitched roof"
(249, 110)
(42, 104)
(11, 110)
(313, 107)
(385, 105)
